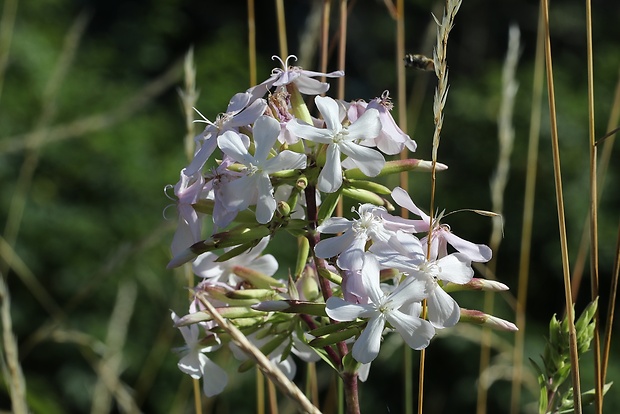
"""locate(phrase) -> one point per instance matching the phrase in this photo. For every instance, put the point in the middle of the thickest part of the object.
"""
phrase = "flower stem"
(351, 394)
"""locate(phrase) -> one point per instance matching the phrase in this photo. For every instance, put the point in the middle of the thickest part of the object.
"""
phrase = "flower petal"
(475, 252)
(455, 268)
(286, 160)
(402, 198)
(370, 277)
(232, 145)
(367, 126)
(334, 225)
(192, 363)
(416, 332)
(214, 378)
(366, 347)
(368, 160)
(266, 203)
(443, 311)
(330, 178)
(333, 246)
(411, 289)
(266, 131)
(330, 111)
(340, 310)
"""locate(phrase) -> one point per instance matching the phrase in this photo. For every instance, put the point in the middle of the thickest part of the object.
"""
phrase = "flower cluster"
(266, 166)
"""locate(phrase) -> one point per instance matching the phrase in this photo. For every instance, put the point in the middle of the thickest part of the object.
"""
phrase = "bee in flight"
(420, 62)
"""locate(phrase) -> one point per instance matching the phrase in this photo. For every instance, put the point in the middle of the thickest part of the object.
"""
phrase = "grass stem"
(574, 357)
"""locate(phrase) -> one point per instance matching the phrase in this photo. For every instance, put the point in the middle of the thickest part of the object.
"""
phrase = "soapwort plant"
(266, 166)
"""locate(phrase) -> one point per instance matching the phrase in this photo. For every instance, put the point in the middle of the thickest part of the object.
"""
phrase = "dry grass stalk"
(574, 357)
(112, 357)
(264, 364)
(441, 94)
(498, 185)
(13, 373)
(528, 218)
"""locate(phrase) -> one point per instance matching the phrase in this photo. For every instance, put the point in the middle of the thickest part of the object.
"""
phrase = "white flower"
(374, 224)
(196, 364)
(255, 186)
(293, 74)
(340, 139)
(188, 190)
(383, 308)
(207, 266)
(240, 112)
(443, 311)
(392, 140)
(441, 234)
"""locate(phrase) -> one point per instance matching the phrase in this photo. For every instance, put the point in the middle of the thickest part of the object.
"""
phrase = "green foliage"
(555, 395)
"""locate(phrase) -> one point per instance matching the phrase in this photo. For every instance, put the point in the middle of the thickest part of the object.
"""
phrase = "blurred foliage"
(92, 219)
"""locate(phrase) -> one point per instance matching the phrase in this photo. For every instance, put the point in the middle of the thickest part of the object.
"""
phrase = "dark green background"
(93, 215)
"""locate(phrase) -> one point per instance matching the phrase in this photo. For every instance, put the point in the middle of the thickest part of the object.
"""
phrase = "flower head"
(293, 74)
(342, 140)
(383, 308)
(441, 234)
(196, 364)
(391, 140)
(255, 186)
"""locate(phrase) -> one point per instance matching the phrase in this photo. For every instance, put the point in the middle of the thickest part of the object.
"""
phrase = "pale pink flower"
(196, 364)
(391, 140)
(383, 308)
(293, 74)
(441, 234)
(342, 140)
(254, 187)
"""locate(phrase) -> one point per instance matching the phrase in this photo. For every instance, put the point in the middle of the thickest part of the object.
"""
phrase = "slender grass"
(403, 178)
(498, 186)
(12, 371)
(342, 49)
(112, 358)
(252, 42)
(282, 39)
(594, 283)
(574, 357)
(441, 94)
(610, 310)
(528, 217)
(189, 96)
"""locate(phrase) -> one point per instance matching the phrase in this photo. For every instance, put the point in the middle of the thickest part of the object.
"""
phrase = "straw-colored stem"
(15, 375)
(282, 39)
(441, 93)
(572, 337)
(596, 343)
(189, 97)
(327, 6)
(528, 218)
(422, 367)
(342, 49)
(613, 290)
(252, 42)
(260, 392)
(404, 176)
(273, 398)
(402, 94)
